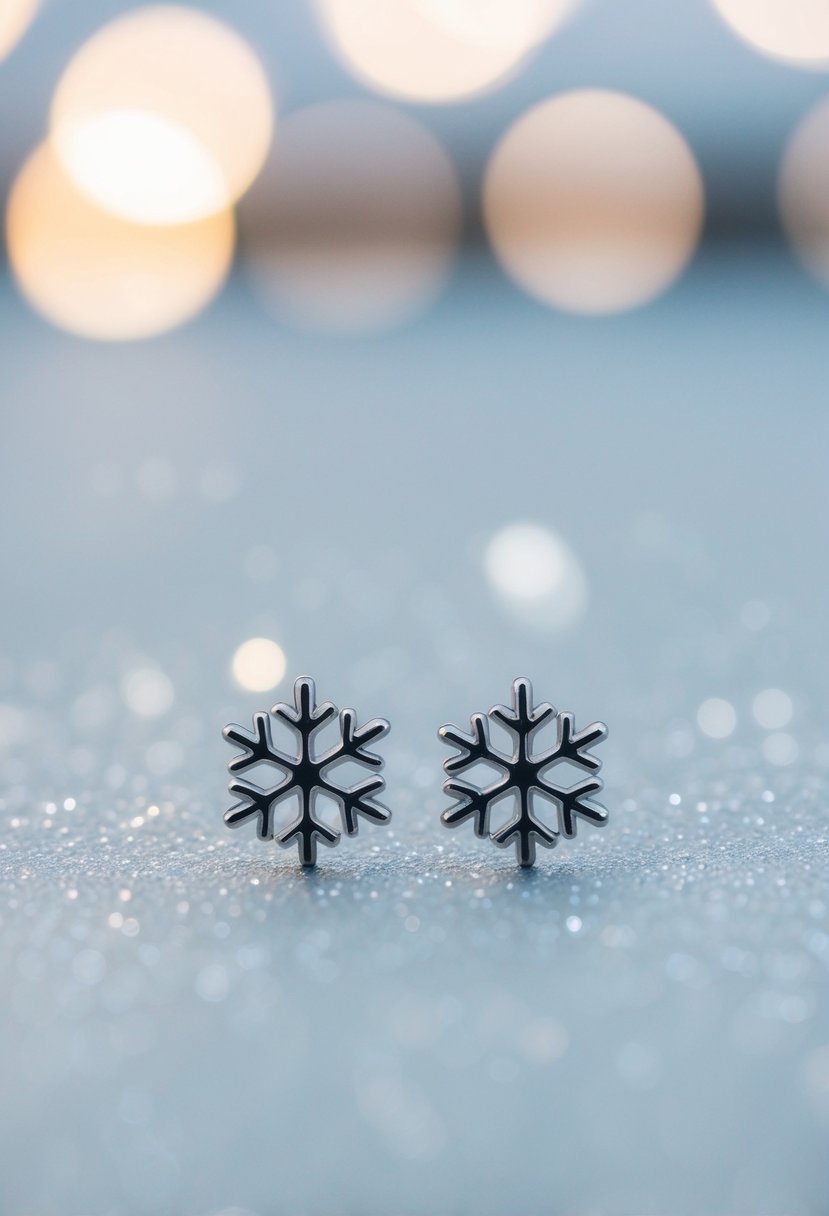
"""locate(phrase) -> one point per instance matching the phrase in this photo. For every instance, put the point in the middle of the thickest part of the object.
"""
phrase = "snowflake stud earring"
(524, 774)
(307, 775)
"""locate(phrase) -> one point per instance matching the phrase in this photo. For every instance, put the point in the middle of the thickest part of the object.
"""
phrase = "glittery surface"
(191, 1023)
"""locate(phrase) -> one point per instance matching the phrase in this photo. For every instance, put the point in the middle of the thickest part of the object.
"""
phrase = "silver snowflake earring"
(524, 774)
(307, 774)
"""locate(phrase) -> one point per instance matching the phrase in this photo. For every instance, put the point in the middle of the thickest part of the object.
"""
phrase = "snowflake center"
(307, 772)
(522, 771)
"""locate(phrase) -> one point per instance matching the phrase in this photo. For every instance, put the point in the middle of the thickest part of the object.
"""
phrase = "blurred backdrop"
(418, 345)
(345, 157)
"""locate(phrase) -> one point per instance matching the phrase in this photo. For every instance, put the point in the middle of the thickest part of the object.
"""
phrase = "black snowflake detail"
(524, 774)
(307, 775)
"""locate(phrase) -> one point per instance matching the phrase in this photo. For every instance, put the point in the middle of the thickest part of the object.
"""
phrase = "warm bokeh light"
(536, 576)
(103, 277)
(593, 202)
(15, 18)
(796, 31)
(437, 50)
(163, 117)
(354, 221)
(258, 665)
(803, 191)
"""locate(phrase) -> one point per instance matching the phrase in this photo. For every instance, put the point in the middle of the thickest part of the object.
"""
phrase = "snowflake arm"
(526, 829)
(473, 747)
(355, 739)
(352, 745)
(576, 801)
(358, 801)
(258, 748)
(477, 746)
(522, 721)
(575, 745)
(257, 802)
(306, 830)
(475, 804)
(258, 745)
(305, 717)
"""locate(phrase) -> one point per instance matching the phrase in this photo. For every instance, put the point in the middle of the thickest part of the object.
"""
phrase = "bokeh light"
(437, 50)
(102, 277)
(796, 31)
(15, 18)
(163, 117)
(780, 748)
(593, 202)
(536, 576)
(354, 222)
(717, 718)
(156, 479)
(258, 665)
(772, 708)
(803, 191)
(147, 691)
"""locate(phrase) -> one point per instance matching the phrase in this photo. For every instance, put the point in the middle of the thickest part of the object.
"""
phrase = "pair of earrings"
(310, 776)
